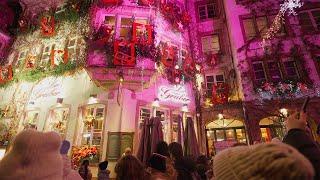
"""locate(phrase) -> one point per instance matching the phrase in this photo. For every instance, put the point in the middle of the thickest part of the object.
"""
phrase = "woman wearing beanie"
(34, 155)
(262, 162)
(68, 172)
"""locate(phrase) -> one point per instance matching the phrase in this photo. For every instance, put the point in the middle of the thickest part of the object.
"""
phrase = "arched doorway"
(223, 133)
(271, 127)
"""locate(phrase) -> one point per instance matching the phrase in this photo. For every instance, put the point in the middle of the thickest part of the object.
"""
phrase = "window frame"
(211, 36)
(256, 28)
(205, 3)
(215, 82)
(315, 26)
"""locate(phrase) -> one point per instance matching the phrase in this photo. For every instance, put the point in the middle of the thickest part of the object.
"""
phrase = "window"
(212, 80)
(259, 71)
(291, 69)
(258, 26)
(46, 52)
(210, 43)
(73, 45)
(125, 29)
(206, 11)
(144, 113)
(274, 71)
(22, 56)
(310, 20)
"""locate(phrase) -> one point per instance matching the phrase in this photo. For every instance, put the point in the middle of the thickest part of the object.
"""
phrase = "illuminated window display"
(31, 118)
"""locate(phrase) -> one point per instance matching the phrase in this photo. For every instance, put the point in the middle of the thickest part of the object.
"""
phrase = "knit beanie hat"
(34, 155)
(262, 162)
(65, 146)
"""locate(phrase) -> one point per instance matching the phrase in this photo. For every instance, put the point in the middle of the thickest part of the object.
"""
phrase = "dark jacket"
(306, 146)
(186, 169)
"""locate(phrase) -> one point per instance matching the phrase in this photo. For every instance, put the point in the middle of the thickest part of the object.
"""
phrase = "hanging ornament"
(124, 53)
(6, 74)
(186, 18)
(147, 2)
(30, 61)
(142, 34)
(47, 25)
(168, 55)
(58, 57)
(103, 35)
(189, 65)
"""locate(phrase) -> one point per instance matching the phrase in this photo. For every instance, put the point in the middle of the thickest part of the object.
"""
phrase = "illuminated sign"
(177, 94)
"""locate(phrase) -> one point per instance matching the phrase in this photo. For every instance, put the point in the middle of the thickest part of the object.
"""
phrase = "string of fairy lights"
(288, 6)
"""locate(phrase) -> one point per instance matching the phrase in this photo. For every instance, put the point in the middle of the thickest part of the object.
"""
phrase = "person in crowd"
(239, 144)
(157, 167)
(84, 170)
(33, 155)
(185, 166)
(297, 137)
(262, 161)
(162, 149)
(68, 172)
(204, 169)
(127, 151)
(130, 168)
(103, 173)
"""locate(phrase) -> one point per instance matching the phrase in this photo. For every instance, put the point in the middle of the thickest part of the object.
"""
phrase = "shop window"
(57, 121)
(258, 26)
(241, 135)
(93, 126)
(210, 44)
(291, 69)
(310, 20)
(220, 135)
(212, 80)
(46, 53)
(230, 134)
(207, 11)
(31, 119)
(259, 72)
(73, 46)
(274, 71)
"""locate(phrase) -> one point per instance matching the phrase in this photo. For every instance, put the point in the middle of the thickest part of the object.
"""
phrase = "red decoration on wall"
(186, 18)
(124, 53)
(168, 55)
(146, 2)
(59, 56)
(220, 93)
(110, 2)
(212, 60)
(142, 33)
(6, 73)
(30, 62)
(47, 25)
(189, 65)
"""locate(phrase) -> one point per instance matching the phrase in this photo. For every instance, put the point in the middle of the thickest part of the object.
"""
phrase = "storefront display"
(58, 119)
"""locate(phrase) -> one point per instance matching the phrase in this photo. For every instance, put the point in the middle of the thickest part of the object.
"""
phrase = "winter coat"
(103, 174)
(82, 172)
(300, 140)
(186, 169)
(68, 172)
(170, 171)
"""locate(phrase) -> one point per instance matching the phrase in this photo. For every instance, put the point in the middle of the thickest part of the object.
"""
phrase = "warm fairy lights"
(288, 6)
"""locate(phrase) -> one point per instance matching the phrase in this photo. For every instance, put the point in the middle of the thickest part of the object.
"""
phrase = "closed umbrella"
(151, 135)
(190, 140)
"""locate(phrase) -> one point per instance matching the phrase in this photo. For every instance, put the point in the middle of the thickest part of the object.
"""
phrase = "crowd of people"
(35, 156)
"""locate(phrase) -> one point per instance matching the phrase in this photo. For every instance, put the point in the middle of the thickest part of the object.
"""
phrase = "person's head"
(175, 150)
(202, 160)
(239, 144)
(103, 165)
(158, 162)
(33, 154)
(129, 167)
(128, 151)
(262, 161)
(162, 148)
(85, 162)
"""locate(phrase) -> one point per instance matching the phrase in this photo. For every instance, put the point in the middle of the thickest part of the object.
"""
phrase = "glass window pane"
(126, 22)
(274, 71)
(262, 25)
(220, 78)
(220, 135)
(291, 70)
(110, 20)
(210, 11)
(230, 134)
(241, 135)
(202, 12)
(210, 79)
(305, 22)
(249, 28)
(210, 43)
(316, 17)
(141, 21)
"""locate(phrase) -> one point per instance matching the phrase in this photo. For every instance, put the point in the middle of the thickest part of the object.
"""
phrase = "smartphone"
(305, 105)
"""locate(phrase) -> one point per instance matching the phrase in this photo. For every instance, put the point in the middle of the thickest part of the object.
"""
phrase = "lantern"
(142, 34)
(124, 53)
